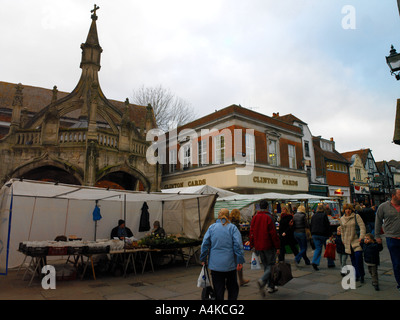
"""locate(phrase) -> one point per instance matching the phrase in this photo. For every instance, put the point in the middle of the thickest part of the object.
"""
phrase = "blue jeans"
(268, 258)
(319, 241)
(301, 239)
(394, 250)
(358, 263)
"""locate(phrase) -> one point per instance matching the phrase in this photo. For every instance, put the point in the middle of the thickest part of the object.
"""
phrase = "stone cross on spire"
(94, 16)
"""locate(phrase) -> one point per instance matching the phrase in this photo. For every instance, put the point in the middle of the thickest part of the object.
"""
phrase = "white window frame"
(292, 156)
(219, 149)
(187, 158)
(173, 160)
(202, 151)
(250, 141)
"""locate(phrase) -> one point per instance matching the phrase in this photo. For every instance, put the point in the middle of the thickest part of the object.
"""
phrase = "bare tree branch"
(169, 110)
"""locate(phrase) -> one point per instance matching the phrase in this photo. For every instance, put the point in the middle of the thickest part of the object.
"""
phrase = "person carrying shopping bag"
(222, 250)
(265, 242)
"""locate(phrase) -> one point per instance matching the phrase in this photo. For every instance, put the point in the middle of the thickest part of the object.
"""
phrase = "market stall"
(204, 189)
(246, 202)
(41, 211)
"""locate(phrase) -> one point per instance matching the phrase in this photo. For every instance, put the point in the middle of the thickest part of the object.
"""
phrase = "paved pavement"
(178, 282)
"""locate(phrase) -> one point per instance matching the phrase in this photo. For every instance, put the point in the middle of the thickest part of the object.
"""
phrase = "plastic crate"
(57, 251)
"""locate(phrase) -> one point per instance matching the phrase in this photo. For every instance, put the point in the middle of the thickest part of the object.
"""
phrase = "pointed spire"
(91, 49)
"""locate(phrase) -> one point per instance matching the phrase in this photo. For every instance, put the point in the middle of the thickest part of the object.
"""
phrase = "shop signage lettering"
(201, 182)
(290, 182)
(174, 185)
(192, 183)
(266, 180)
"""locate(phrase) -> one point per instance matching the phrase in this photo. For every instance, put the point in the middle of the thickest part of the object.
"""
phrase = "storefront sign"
(265, 180)
(192, 183)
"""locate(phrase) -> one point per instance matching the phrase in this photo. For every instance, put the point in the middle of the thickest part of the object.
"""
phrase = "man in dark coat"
(320, 231)
(121, 231)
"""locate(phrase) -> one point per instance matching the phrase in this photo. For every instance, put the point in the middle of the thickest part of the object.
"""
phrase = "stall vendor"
(121, 231)
(158, 231)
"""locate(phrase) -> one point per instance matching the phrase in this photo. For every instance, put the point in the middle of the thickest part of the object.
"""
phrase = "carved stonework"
(18, 97)
(80, 138)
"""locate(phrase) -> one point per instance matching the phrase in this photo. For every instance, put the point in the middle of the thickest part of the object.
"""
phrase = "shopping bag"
(308, 234)
(330, 251)
(281, 273)
(204, 280)
(208, 292)
(255, 262)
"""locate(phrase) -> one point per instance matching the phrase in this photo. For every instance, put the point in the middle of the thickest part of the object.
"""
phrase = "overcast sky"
(323, 61)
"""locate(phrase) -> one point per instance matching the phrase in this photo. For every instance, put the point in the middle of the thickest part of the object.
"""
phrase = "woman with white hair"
(300, 225)
(222, 245)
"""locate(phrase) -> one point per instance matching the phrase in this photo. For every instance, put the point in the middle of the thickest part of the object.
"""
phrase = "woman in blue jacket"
(223, 246)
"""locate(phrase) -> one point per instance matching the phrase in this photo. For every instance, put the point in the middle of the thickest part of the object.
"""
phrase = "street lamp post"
(393, 61)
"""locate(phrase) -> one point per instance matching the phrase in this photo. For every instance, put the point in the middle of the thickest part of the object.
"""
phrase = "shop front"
(340, 192)
(262, 179)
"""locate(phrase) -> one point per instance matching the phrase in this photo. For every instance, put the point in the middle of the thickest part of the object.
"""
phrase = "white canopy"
(243, 202)
(36, 211)
(204, 189)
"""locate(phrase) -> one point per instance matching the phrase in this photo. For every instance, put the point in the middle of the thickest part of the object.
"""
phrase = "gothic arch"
(124, 169)
(50, 170)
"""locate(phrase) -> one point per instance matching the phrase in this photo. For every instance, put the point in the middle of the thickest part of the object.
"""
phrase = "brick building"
(236, 149)
(332, 168)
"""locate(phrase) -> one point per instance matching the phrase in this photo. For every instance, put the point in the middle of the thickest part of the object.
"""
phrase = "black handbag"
(208, 292)
(281, 273)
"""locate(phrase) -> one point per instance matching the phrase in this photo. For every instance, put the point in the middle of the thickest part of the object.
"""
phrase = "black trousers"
(222, 280)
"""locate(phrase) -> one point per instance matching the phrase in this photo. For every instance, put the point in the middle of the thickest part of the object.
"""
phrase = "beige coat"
(349, 234)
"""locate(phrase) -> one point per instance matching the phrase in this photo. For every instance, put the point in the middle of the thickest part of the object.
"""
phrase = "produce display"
(168, 242)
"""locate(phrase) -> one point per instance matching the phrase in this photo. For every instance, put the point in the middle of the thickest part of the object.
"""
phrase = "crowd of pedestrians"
(356, 235)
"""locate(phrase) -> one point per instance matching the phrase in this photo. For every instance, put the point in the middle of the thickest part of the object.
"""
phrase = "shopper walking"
(300, 227)
(353, 230)
(222, 245)
(234, 217)
(389, 212)
(320, 231)
(265, 241)
(286, 234)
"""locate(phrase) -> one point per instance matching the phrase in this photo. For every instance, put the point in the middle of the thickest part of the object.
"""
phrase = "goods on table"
(37, 248)
(168, 242)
